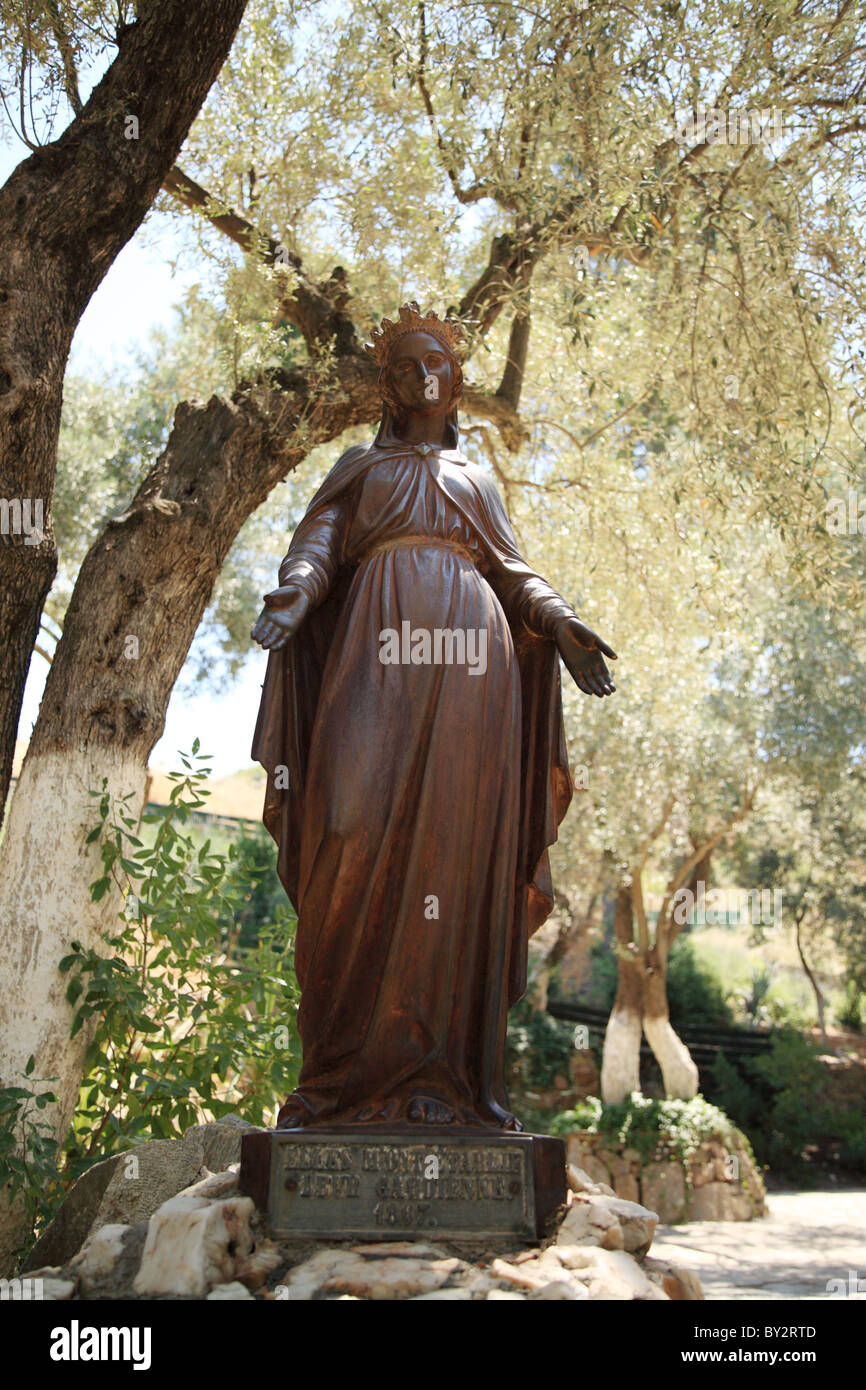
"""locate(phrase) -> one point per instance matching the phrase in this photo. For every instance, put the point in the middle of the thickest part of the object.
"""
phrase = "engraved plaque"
(321, 1184)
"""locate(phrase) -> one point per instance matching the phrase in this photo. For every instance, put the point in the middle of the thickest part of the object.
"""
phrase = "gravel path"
(808, 1239)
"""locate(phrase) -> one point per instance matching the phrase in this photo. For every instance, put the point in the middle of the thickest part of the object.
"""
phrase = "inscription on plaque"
(362, 1186)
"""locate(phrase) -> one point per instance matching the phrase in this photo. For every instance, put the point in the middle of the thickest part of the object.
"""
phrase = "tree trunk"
(679, 1073)
(149, 575)
(620, 1066)
(641, 1006)
(813, 981)
(65, 213)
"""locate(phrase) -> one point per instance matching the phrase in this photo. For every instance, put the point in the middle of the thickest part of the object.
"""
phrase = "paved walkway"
(807, 1239)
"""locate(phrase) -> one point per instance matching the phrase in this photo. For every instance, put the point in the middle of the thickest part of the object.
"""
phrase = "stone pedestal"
(375, 1184)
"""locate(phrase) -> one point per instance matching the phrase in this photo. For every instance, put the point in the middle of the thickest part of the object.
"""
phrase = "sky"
(137, 295)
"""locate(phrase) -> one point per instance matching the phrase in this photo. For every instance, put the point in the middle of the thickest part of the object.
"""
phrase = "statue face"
(420, 374)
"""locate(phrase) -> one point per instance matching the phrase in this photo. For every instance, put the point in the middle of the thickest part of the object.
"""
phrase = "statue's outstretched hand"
(284, 611)
(583, 653)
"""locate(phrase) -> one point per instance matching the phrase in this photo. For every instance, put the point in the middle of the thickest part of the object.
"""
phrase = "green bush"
(190, 1002)
(778, 1100)
(190, 1020)
(28, 1150)
(657, 1129)
(851, 1012)
(538, 1048)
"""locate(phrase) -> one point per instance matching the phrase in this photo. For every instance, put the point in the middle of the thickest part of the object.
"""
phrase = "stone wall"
(719, 1183)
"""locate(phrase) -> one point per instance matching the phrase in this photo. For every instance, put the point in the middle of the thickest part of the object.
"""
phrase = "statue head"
(419, 371)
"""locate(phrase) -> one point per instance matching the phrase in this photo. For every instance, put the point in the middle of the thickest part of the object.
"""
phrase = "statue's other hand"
(583, 653)
(282, 615)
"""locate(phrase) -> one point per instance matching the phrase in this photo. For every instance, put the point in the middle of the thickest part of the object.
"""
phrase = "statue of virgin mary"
(413, 799)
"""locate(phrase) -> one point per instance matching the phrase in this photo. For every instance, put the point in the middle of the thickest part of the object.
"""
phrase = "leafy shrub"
(851, 1012)
(778, 1099)
(189, 1021)
(657, 1129)
(28, 1150)
(538, 1048)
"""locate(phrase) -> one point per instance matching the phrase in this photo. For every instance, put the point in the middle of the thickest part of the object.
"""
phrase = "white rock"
(339, 1271)
(622, 1274)
(99, 1255)
(500, 1296)
(187, 1246)
(390, 1249)
(214, 1184)
(561, 1291)
(521, 1277)
(253, 1269)
(56, 1290)
(231, 1291)
(579, 1180)
(588, 1223)
(638, 1224)
(576, 1257)
(610, 1222)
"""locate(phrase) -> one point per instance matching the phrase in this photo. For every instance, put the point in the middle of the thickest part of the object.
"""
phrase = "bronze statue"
(411, 728)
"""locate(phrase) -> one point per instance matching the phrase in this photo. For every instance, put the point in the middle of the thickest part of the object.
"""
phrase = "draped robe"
(413, 804)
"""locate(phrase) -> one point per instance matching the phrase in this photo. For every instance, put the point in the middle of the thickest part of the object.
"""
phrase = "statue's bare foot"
(427, 1111)
(293, 1115)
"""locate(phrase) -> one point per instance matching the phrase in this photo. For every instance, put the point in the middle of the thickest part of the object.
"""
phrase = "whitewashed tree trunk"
(620, 1066)
(679, 1073)
(45, 904)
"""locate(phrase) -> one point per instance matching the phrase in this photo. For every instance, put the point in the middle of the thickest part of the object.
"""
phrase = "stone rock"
(663, 1190)
(578, 1154)
(720, 1201)
(342, 1271)
(129, 1187)
(625, 1185)
(101, 1253)
(575, 1257)
(680, 1284)
(145, 1178)
(561, 1291)
(193, 1243)
(610, 1222)
(253, 1269)
(579, 1180)
(229, 1292)
(588, 1224)
(511, 1274)
(501, 1295)
(621, 1277)
(221, 1141)
(386, 1249)
(71, 1224)
(57, 1290)
(214, 1185)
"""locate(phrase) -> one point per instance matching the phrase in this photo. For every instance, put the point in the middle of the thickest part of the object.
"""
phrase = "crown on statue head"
(411, 320)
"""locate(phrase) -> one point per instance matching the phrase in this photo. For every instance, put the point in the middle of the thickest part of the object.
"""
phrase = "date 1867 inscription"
(357, 1185)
